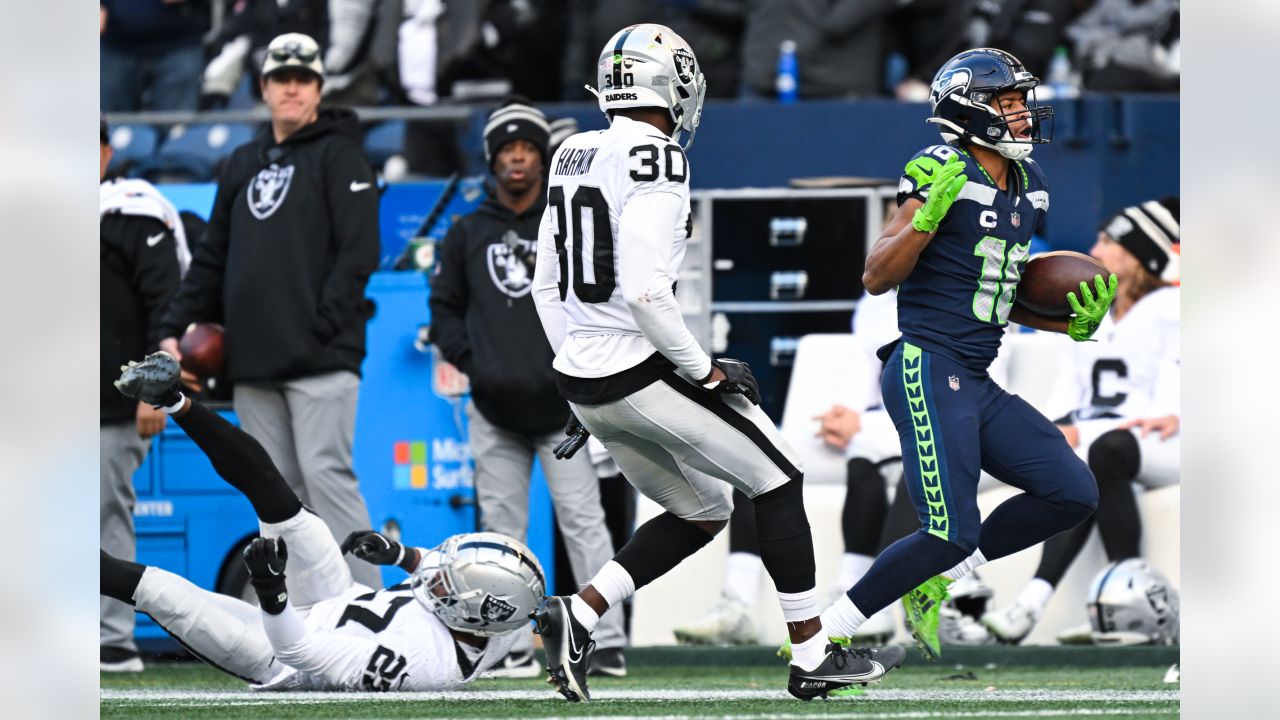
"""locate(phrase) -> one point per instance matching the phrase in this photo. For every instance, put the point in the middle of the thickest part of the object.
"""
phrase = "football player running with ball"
(317, 629)
(955, 250)
(681, 426)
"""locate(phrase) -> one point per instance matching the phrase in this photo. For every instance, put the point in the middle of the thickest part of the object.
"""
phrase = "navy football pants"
(953, 423)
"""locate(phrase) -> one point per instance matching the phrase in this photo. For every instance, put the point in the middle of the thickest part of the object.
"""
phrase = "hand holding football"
(201, 348)
(1048, 278)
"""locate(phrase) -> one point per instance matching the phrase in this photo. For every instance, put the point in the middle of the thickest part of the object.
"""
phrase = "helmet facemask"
(480, 583)
(966, 103)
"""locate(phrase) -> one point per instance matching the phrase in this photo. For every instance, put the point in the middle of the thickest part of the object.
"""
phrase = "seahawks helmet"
(649, 65)
(1132, 603)
(481, 583)
(962, 95)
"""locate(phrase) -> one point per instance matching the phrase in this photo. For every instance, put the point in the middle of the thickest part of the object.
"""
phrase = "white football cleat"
(956, 628)
(1010, 624)
(727, 623)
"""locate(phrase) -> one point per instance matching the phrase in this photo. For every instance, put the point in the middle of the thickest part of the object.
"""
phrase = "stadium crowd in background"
(171, 54)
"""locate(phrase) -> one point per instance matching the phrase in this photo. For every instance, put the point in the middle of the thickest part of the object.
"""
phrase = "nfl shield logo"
(1016, 219)
(953, 382)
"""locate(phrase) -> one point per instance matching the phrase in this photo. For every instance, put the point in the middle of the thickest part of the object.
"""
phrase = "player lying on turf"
(955, 250)
(318, 629)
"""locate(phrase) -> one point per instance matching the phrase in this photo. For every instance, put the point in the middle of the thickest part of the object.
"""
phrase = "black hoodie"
(291, 243)
(484, 321)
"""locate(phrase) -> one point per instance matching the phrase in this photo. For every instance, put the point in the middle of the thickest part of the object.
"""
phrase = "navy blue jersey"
(956, 301)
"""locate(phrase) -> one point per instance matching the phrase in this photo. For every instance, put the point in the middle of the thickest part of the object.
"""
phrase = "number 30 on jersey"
(649, 164)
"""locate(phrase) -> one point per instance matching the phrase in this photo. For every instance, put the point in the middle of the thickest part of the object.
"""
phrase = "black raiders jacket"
(291, 243)
(138, 277)
(483, 319)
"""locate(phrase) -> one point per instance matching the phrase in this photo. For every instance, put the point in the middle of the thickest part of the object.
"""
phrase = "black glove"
(738, 380)
(265, 558)
(577, 437)
(373, 547)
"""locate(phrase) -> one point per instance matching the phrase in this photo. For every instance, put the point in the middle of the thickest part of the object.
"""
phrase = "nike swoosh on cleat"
(877, 670)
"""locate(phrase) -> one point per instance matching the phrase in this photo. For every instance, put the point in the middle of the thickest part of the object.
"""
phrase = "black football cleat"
(153, 381)
(843, 667)
(567, 645)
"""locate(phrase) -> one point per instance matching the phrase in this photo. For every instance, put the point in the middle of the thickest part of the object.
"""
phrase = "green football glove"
(946, 185)
(1089, 314)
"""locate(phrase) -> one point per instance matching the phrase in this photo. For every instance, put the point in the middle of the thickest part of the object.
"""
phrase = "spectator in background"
(150, 53)
(291, 242)
(1129, 45)
(928, 32)
(714, 27)
(346, 29)
(483, 321)
(839, 46)
(239, 43)
(139, 245)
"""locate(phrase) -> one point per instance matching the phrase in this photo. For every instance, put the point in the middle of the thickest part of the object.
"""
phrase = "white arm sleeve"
(546, 283)
(644, 260)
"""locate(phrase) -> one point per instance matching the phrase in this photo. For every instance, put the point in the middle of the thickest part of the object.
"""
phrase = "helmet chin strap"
(1006, 146)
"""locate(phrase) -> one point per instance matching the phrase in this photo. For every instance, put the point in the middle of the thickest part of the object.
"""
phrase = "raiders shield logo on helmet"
(684, 65)
(268, 190)
(496, 609)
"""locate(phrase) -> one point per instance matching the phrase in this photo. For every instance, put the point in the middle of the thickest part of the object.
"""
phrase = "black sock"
(241, 461)
(658, 546)
(1115, 458)
(1025, 520)
(1061, 550)
(786, 545)
(901, 520)
(901, 568)
(119, 578)
(742, 525)
(865, 506)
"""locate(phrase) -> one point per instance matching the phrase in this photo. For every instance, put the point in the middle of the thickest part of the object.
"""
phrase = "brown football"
(1048, 278)
(201, 348)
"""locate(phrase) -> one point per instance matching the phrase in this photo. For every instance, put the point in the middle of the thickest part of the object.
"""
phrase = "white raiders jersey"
(381, 641)
(1132, 371)
(583, 266)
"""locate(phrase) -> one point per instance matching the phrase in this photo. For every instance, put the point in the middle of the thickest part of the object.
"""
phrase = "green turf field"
(738, 683)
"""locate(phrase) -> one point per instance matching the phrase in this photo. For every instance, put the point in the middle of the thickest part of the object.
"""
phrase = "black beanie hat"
(1152, 232)
(515, 119)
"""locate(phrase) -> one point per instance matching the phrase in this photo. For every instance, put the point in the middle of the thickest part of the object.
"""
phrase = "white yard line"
(174, 698)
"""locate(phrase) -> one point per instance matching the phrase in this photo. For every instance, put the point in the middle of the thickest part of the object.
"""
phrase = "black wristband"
(272, 595)
(710, 375)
